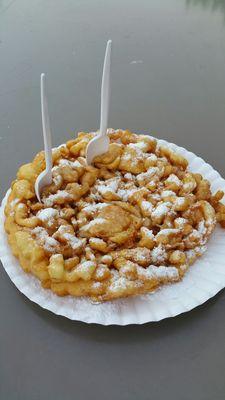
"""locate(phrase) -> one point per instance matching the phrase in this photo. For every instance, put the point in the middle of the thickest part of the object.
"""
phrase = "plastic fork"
(45, 177)
(100, 143)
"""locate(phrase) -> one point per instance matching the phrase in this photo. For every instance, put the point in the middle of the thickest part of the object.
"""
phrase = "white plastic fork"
(45, 177)
(100, 143)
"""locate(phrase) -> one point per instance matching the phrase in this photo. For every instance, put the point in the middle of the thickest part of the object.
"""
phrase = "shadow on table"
(131, 333)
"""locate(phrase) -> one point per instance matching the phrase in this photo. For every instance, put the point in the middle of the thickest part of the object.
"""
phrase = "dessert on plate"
(135, 220)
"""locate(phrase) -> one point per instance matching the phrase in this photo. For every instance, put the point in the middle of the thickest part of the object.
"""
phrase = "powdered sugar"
(159, 273)
(161, 210)
(70, 238)
(48, 215)
(96, 285)
(94, 222)
(158, 254)
(73, 241)
(96, 241)
(53, 198)
(147, 232)
(174, 179)
(127, 156)
(167, 232)
(57, 179)
(119, 284)
(181, 221)
(202, 228)
(139, 145)
(197, 251)
(95, 196)
(147, 175)
(195, 234)
(92, 208)
(72, 164)
(152, 157)
(180, 201)
(111, 185)
(49, 243)
(138, 149)
(155, 196)
(100, 271)
(146, 206)
(85, 267)
(124, 194)
(167, 193)
(115, 186)
(128, 176)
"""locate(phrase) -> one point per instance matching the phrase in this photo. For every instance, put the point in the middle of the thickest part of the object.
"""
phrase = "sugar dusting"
(111, 185)
(174, 179)
(48, 215)
(49, 243)
(72, 164)
(167, 193)
(53, 198)
(147, 232)
(161, 272)
(148, 175)
(158, 255)
(167, 232)
(146, 206)
(92, 208)
(96, 221)
(161, 210)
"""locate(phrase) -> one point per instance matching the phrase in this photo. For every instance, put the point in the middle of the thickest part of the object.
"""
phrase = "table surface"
(168, 79)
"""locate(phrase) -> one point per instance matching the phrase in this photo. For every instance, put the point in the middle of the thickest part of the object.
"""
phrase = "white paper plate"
(203, 280)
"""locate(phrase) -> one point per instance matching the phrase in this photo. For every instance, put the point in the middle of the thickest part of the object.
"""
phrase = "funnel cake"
(135, 220)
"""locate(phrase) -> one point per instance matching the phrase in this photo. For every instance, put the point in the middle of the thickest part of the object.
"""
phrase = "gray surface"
(176, 90)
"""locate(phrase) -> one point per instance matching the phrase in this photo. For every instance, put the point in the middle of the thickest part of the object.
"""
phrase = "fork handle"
(46, 125)
(105, 90)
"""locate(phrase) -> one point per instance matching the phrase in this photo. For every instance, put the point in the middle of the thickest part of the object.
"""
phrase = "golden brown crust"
(132, 222)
